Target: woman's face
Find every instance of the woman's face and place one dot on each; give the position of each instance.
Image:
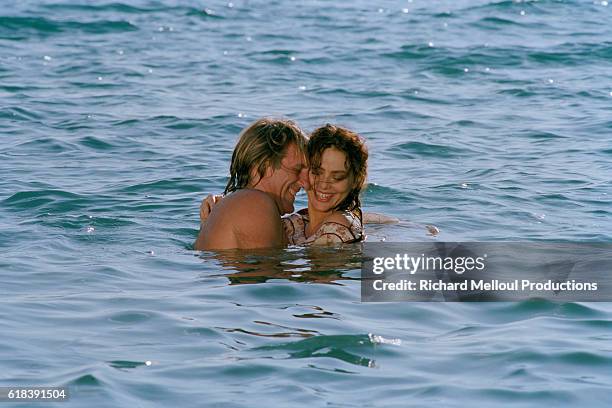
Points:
(330, 183)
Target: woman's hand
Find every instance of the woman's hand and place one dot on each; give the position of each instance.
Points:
(207, 206)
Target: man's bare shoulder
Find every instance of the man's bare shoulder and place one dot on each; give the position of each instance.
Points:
(244, 208)
(248, 199)
(243, 219)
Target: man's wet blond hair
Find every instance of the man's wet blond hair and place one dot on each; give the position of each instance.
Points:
(262, 144)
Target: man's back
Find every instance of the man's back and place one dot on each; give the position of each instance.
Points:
(247, 218)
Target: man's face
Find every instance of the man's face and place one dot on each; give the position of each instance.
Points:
(284, 182)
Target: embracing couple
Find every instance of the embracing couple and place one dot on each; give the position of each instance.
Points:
(272, 161)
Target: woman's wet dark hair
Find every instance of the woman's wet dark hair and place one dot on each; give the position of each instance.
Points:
(356, 163)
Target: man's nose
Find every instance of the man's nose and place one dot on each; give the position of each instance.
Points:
(303, 180)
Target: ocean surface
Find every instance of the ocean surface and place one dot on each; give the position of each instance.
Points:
(491, 120)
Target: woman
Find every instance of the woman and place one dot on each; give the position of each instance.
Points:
(337, 171)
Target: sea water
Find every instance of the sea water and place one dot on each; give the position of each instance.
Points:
(489, 119)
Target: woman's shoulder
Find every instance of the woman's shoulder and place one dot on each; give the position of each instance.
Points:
(339, 227)
(339, 217)
(298, 216)
(295, 226)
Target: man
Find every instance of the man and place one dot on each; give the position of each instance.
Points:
(268, 169)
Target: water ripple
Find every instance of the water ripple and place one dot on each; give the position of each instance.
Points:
(15, 27)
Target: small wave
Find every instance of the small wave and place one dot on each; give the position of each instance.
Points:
(86, 379)
(72, 125)
(584, 358)
(392, 112)
(110, 7)
(423, 149)
(37, 24)
(578, 310)
(542, 135)
(276, 56)
(95, 143)
(493, 6)
(519, 92)
(348, 93)
(28, 195)
(204, 13)
(278, 60)
(564, 55)
(466, 123)
(379, 189)
(44, 145)
(506, 6)
(530, 306)
(556, 197)
(495, 22)
(129, 317)
(536, 307)
(376, 339)
(571, 54)
(323, 341)
(413, 52)
(13, 26)
(57, 201)
(346, 348)
(18, 88)
(287, 332)
(202, 331)
(177, 123)
(503, 395)
(20, 113)
(447, 70)
(124, 365)
(317, 61)
(100, 27)
(67, 221)
(378, 194)
(276, 52)
(595, 323)
(174, 185)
